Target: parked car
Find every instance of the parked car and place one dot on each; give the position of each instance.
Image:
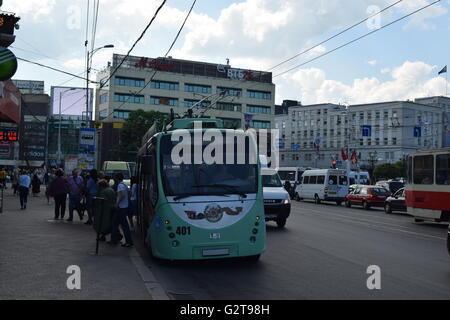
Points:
(367, 197)
(392, 185)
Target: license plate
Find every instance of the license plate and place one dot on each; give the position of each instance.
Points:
(216, 252)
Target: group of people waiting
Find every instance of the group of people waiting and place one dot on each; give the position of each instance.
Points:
(108, 207)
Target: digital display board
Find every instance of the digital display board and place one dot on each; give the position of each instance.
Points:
(9, 135)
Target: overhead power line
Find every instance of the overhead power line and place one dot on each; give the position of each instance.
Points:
(135, 43)
(359, 38)
(54, 69)
(336, 35)
(167, 53)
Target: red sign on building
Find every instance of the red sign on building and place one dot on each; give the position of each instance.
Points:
(154, 64)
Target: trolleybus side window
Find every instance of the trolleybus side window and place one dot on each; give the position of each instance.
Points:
(443, 169)
(423, 169)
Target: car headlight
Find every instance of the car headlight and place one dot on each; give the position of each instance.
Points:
(287, 201)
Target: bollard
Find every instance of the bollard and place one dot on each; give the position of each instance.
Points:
(101, 221)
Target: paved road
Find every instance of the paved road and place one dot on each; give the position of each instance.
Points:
(324, 253)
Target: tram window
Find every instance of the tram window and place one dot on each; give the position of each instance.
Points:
(443, 169)
(423, 170)
(409, 170)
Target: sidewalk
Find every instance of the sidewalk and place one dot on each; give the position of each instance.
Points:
(36, 251)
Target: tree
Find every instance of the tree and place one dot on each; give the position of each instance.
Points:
(136, 126)
(390, 171)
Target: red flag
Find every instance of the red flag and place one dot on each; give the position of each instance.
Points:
(344, 155)
(354, 157)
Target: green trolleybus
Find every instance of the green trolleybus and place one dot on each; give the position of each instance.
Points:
(208, 209)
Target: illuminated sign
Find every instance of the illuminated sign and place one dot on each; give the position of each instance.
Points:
(235, 73)
(8, 135)
(154, 64)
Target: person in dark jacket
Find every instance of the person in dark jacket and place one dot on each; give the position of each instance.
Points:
(104, 209)
(59, 189)
(36, 185)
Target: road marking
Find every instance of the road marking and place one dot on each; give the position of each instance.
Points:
(375, 224)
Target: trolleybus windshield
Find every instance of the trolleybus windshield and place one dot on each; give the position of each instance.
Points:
(203, 179)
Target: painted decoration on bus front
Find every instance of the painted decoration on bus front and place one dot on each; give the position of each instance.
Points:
(213, 215)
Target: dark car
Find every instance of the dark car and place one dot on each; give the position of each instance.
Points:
(392, 185)
(396, 202)
(367, 197)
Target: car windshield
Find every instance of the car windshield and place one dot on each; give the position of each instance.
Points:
(272, 181)
(202, 179)
(394, 186)
(287, 175)
(111, 173)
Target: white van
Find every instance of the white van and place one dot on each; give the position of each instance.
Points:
(277, 203)
(324, 185)
(361, 177)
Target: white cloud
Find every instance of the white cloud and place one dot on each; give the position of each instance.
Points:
(408, 81)
(372, 62)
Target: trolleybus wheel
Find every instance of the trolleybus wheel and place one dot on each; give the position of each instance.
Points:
(418, 220)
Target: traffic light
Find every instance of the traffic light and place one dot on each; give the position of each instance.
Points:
(334, 163)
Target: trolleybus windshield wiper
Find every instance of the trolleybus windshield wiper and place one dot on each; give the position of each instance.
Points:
(224, 186)
(187, 195)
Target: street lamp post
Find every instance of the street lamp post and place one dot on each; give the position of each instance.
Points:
(89, 56)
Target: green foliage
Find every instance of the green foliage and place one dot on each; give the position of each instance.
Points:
(390, 171)
(136, 126)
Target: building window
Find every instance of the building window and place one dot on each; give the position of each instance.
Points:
(259, 95)
(164, 101)
(259, 109)
(229, 106)
(104, 98)
(230, 91)
(103, 114)
(123, 97)
(386, 115)
(121, 114)
(394, 141)
(385, 141)
(190, 103)
(164, 85)
(261, 124)
(129, 82)
(197, 88)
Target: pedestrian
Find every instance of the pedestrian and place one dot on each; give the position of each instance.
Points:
(133, 202)
(120, 217)
(91, 192)
(36, 184)
(24, 188)
(104, 209)
(3, 178)
(76, 189)
(15, 181)
(51, 177)
(59, 189)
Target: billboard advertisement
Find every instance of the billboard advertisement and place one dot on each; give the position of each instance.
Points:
(71, 101)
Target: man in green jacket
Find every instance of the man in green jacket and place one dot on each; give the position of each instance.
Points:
(104, 209)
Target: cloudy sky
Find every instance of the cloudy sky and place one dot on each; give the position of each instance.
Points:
(398, 62)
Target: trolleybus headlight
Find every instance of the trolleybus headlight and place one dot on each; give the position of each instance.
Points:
(257, 224)
(172, 235)
(258, 218)
(167, 222)
(255, 231)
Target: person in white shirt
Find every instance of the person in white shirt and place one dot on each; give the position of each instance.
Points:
(24, 188)
(120, 218)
